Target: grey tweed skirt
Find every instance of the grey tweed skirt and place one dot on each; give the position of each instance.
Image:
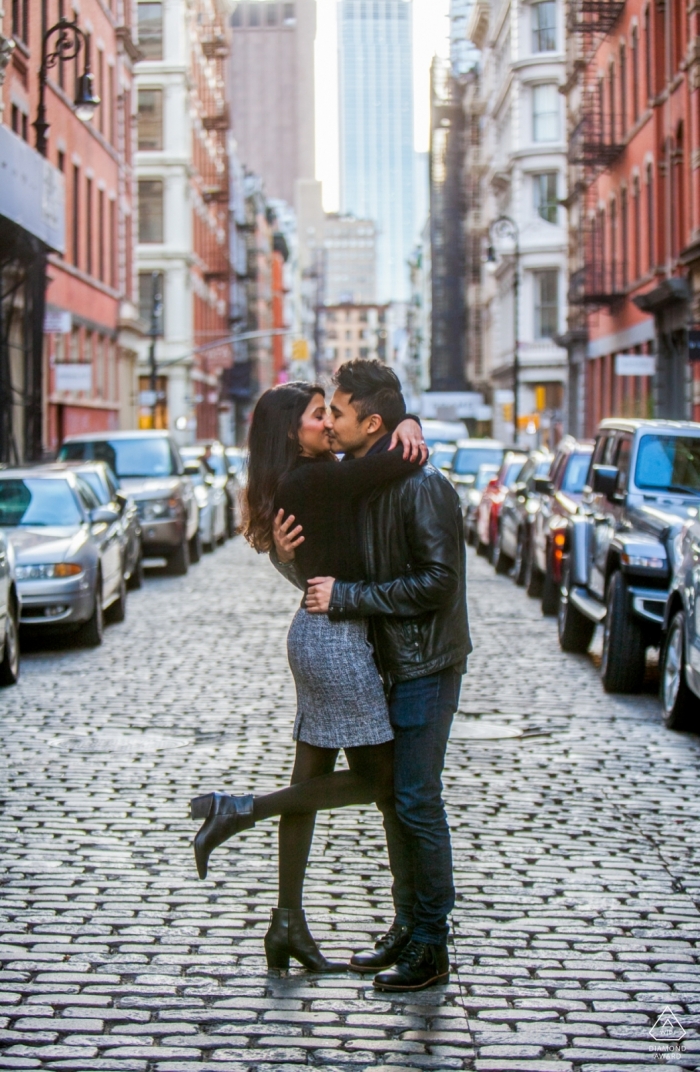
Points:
(340, 696)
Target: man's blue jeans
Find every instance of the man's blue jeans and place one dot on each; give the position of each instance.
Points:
(417, 834)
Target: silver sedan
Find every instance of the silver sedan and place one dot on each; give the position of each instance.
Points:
(68, 551)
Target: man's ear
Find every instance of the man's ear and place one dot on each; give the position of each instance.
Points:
(374, 423)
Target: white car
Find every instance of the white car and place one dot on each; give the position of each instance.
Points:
(10, 608)
(211, 500)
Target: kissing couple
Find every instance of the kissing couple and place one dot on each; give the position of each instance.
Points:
(377, 650)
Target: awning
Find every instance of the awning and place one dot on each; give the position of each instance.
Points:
(32, 191)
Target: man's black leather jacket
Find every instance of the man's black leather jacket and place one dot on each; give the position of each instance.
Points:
(416, 597)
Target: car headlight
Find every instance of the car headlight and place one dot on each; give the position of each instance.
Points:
(158, 509)
(48, 571)
(643, 561)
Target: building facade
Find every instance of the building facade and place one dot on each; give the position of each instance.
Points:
(270, 77)
(523, 161)
(77, 369)
(377, 159)
(183, 213)
(351, 260)
(635, 210)
(352, 331)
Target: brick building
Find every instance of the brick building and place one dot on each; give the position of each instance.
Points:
(634, 209)
(84, 375)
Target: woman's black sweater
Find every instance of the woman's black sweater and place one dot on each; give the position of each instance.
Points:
(325, 498)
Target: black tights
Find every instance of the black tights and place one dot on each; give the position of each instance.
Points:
(317, 786)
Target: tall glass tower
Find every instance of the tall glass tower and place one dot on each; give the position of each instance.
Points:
(376, 130)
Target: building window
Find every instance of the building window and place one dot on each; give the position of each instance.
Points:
(635, 74)
(289, 14)
(76, 216)
(237, 16)
(544, 26)
(648, 55)
(625, 236)
(650, 215)
(637, 229)
(113, 241)
(545, 112)
(150, 210)
(20, 20)
(101, 235)
(150, 119)
(613, 102)
(271, 14)
(253, 15)
(20, 123)
(546, 303)
(150, 16)
(146, 297)
(613, 247)
(545, 186)
(623, 88)
(101, 90)
(88, 225)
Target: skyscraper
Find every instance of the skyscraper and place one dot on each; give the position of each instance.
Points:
(376, 131)
(463, 53)
(270, 80)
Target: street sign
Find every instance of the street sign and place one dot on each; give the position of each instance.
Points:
(300, 350)
(635, 365)
(58, 322)
(73, 376)
(694, 344)
(147, 399)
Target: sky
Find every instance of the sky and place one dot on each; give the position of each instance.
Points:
(430, 36)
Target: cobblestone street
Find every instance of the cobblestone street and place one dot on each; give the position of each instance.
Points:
(576, 827)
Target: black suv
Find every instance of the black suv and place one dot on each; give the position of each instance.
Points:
(642, 487)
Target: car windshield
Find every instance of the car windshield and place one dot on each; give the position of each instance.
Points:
(194, 472)
(669, 463)
(136, 457)
(215, 462)
(442, 456)
(513, 471)
(576, 473)
(543, 467)
(469, 459)
(34, 501)
(486, 473)
(92, 478)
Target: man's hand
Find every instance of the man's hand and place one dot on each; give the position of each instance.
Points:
(318, 599)
(410, 435)
(286, 541)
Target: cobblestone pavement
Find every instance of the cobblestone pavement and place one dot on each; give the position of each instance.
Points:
(576, 843)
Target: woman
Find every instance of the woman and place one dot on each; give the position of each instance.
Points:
(340, 696)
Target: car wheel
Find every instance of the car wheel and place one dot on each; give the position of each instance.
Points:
(9, 667)
(91, 632)
(622, 664)
(196, 547)
(681, 708)
(179, 561)
(533, 577)
(136, 578)
(117, 610)
(521, 557)
(550, 592)
(575, 629)
(501, 561)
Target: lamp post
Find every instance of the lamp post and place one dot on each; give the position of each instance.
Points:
(70, 39)
(506, 227)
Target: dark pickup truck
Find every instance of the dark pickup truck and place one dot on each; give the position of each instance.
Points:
(643, 487)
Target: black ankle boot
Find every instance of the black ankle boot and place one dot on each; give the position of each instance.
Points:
(419, 966)
(226, 815)
(386, 952)
(289, 935)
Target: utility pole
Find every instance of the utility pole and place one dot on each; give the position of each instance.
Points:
(156, 315)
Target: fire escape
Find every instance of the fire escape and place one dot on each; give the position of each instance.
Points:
(595, 143)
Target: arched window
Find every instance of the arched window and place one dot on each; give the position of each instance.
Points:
(651, 222)
(635, 74)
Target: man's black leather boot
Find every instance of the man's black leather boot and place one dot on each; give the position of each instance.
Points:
(418, 966)
(386, 950)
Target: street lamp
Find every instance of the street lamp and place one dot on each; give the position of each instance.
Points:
(505, 227)
(70, 40)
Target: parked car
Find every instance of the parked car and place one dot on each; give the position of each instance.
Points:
(104, 484)
(442, 455)
(211, 501)
(237, 459)
(10, 609)
(560, 495)
(68, 551)
(148, 466)
(471, 498)
(470, 455)
(443, 431)
(624, 542)
(680, 653)
(493, 495)
(215, 458)
(517, 512)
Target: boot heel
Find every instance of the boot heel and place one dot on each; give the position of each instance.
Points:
(201, 806)
(277, 958)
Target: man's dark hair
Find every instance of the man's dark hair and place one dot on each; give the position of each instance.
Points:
(373, 388)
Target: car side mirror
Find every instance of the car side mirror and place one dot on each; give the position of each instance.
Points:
(543, 485)
(604, 481)
(103, 515)
(122, 499)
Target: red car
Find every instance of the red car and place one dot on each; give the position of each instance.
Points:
(489, 508)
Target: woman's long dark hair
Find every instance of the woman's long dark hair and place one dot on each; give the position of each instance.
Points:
(273, 443)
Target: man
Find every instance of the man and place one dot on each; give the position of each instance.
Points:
(416, 602)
